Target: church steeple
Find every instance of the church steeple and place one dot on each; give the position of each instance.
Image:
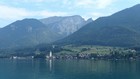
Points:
(50, 54)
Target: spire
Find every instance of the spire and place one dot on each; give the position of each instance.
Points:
(50, 53)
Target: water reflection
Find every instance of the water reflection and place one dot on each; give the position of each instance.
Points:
(50, 67)
(84, 69)
(69, 69)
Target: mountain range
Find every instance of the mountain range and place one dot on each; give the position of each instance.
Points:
(65, 26)
(31, 32)
(119, 29)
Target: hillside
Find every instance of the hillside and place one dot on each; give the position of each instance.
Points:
(64, 26)
(26, 32)
(31, 32)
(119, 29)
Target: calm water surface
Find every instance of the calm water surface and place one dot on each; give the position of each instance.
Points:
(69, 69)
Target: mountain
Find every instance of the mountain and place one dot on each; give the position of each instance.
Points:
(26, 32)
(64, 26)
(31, 32)
(119, 29)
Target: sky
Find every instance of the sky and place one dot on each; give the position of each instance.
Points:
(12, 10)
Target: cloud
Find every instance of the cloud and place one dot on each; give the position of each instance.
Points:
(8, 12)
(97, 4)
(84, 3)
(13, 13)
(20, 9)
(93, 15)
(27, 1)
(96, 15)
(49, 13)
(104, 3)
(66, 2)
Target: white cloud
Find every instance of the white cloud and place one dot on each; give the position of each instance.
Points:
(84, 2)
(66, 2)
(96, 15)
(97, 4)
(12, 13)
(103, 3)
(93, 15)
(46, 13)
(8, 12)
(85, 8)
(30, 1)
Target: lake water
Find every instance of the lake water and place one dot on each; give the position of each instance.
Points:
(69, 69)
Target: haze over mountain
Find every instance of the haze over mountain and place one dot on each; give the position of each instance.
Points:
(31, 32)
(119, 29)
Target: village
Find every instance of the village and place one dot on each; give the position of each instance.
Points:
(50, 55)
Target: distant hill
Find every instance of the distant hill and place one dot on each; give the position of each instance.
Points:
(31, 32)
(119, 29)
(27, 32)
(65, 26)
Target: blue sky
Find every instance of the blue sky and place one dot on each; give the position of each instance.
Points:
(12, 10)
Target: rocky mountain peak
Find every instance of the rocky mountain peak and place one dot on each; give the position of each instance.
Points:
(64, 25)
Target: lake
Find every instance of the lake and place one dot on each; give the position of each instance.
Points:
(69, 69)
